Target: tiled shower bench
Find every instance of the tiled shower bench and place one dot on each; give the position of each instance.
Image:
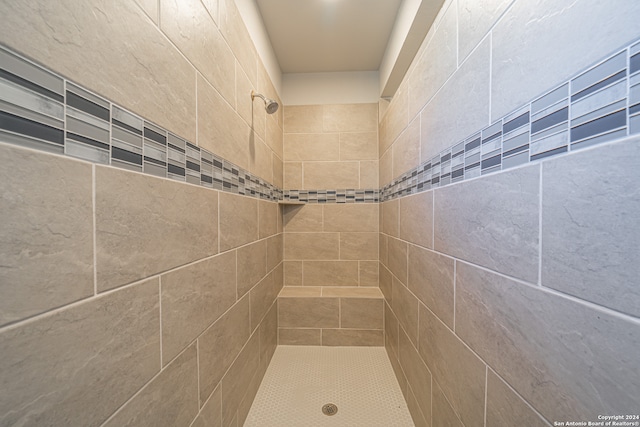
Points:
(330, 316)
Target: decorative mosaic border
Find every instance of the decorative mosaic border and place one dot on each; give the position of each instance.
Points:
(598, 105)
(39, 109)
(332, 196)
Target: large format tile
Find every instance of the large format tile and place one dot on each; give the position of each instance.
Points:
(252, 265)
(505, 408)
(459, 372)
(492, 221)
(269, 335)
(189, 26)
(590, 233)
(350, 117)
(211, 413)
(294, 336)
(448, 118)
(148, 228)
(220, 344)
(170, 399)
(307, 217)
(361, 313)
(268, 213)
(431, 280)
(193, 298)
(359, 146)
(390, 217)
(303, 118)
(331, 175)
(406, 307)
(588, 30)
(362, 246)
(351, 217)
(406, 149)
(418, 375)
(238, 220)
(46, 233)
(566, 359)
(238, 378)
(153, 78)
(235, 32)
(475, 19)
(416, 219)
(443, 413)
(308, 312)
(307, 246)
(78, 365)
(353, 337)
(398, 259)
(262, 297)
(311, 146)
(330, 273)
(437, 61)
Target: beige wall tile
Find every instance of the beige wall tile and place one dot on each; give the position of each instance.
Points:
(292, 175)
(430, 278)
(220, 344)
(406, 149)
(397, 117)
(351, 217)
(211, 412)
(360, 246)
(150, 7)
(390, 217)
(398, 259)
(154, 226)
(416, 219)
(369, 174)
(383, 248)
(414, 409)
(306, 217)
(386, 283)
(249, 396)
(386, 167)
(458, 371)
(170, 399)
(308, 313)
(268, 218)
(397, 369)
(369, 273)
(307, 246)
(213, 8)
(46, 233)
(405, 307)
(351, 292)
(159, 83)
(326, 175)
(361, 313)
(391, 330)
(260, 158)
(275, 245)
(278, 170)
(330, 273)
(108, 343)
(251, 111)
(238, 378)
(194, 297)
(293, 336)
(311, 146)
(353, 337)
(506, 408)
(300, 291)
(359, 146)
(269, 335)
(274, 135)
(252, 265)
(418, 376)
(303, 118)
(350, 117)
(238, 220)
(190, 27)
(235, 32)
(443, 413)
(220, 129)
(292, 273)
(262, 298)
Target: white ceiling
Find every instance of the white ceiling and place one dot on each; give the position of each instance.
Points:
(313, 36)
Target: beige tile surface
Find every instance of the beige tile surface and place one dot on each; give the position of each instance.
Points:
(359, 145)
(418, 376)
(292, 273)
(311, 146)
(443, 414)
(303, 118)
(320, 175)
(296, 336)
(275, 247)
(292, 175)
(416, 219)
(46, 232)
(406, 149)
(359, 246)
(351, 217)
(193, 297)
(252, 265)
(260, 158)
(505, 407)
(211, 411)
(306, 217)
(352, 337)
(398, 259)
(350, 292)
(405, 306)
(268, 218)
(350, 117)
(147, 229)
(369, 275)
(238, 378)
(390, 217)
(171, 398)
(262, 297)
(311, 246)
(361, 313)
(108, 343)
(236, 34)
(308, 312)
(369, 174)
(274, 136)
(238, 220)
(301, 291)
(330, 273)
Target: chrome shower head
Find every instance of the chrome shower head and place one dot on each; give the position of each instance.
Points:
(269, 104)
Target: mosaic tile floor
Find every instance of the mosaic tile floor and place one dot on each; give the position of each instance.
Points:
(301, 379)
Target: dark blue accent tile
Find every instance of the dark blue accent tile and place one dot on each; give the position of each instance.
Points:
(446, 157)
(87, 106)
(87, 141)
(30, 85)
(550, 120)
(600, 125)
(457, 173)
(514, 124)
(549, 153)
(618, 76)
(193, 166)
(122, 125)
(30, 128)
(127, 156)
(173, 147)
(206, 178)
(475, 165)
(155, 136)
(471, 145)
(207, 161)
(491, 162)
(634, 109)
(492, 137)
(154, 161)
(176, 170)
(634, 63)
(515, 151)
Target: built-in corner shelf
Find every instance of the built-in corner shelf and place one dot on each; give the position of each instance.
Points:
(290, 202)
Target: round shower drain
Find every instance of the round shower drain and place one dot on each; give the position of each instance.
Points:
(329, 409)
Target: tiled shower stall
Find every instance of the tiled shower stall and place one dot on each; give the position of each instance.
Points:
(482, 225)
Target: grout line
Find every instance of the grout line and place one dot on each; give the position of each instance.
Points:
(491, 78)
(455, 278)
(200, 403)
(540, 227)
(486, 382)
(95, 245)
(160, 316)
